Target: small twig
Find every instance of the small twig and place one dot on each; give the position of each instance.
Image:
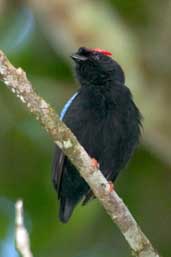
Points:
(21, 234)
(17, 82)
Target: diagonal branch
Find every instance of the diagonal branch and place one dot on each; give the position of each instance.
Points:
(17, 82)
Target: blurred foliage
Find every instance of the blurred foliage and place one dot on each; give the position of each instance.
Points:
(134, 12)
(26, 156)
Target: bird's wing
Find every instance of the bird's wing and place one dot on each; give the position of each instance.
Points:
(58, 163)
(67, 105)
(59, 157)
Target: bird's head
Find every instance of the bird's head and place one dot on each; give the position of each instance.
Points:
(95, 66)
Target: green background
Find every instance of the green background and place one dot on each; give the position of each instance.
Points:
(26, 151)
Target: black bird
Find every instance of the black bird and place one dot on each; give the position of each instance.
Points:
(104, 119)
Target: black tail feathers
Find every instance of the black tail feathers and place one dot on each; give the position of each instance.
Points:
(66, 209)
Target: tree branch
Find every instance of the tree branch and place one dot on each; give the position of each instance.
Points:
(17, 82)
(21, 234)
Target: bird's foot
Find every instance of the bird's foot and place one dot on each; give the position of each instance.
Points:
(111, 186)
(94, 163)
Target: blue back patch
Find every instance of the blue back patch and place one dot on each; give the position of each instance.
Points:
(67, 105)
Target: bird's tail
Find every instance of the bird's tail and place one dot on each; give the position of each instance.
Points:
(66, 209)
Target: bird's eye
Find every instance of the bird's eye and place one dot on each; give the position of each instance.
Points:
(96, 57)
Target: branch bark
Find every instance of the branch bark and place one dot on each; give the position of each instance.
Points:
(21, 234)
(17, 82)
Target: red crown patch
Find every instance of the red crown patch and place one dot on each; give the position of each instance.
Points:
(105, 52)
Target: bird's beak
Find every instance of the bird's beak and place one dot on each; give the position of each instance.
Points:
(77, 57)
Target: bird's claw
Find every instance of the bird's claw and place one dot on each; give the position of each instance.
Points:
(111, 186)
(95, 164)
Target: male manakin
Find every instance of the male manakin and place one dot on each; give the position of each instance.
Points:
(105, 120)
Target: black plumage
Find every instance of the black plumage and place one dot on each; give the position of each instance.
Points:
(104, 119)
